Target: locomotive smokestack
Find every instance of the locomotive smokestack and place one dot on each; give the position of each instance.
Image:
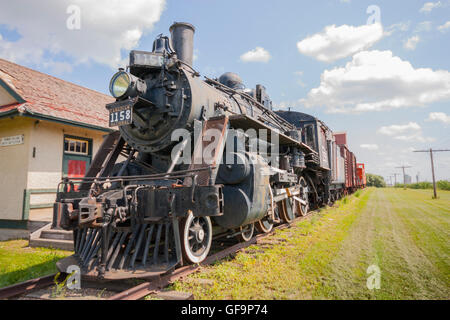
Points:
(182, 36)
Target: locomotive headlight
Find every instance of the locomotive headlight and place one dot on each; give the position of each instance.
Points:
(120, 83)
(124, 84)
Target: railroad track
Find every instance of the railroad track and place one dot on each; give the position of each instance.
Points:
(152, 286)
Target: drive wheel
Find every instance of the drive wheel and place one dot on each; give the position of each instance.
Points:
(265, 225)
(246, 232)
(304, 208)
(287, 211)
(331, 200)
(196, 238)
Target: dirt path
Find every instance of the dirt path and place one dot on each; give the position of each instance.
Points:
(386, 235)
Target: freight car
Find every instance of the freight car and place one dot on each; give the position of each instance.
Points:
(361, 175)
(192, 157)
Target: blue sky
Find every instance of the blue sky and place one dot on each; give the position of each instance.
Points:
(382, 135)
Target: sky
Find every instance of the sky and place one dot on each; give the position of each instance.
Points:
(378, 70)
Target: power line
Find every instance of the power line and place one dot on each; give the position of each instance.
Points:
(432, 165)
(404, 175)
(395, 177)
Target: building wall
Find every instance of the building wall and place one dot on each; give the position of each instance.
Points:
(45, 168)
(35, 164)
(13, 167)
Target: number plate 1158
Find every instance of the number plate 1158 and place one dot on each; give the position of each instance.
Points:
(120, 116)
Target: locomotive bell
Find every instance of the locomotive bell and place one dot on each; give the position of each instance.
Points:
(162, 45)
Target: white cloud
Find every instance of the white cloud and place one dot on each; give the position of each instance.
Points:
(258, 54)
(401, 26)
(299, 75)
(371, 147)
(339, 42)
(427, 7)
(444, 27)
(378, 81)
(107, 27)
(411, 43)
(424, 26)
(196, 54)
(415, 137)
(58, 67)
(411, 132)
(399, 129)
(439, 116)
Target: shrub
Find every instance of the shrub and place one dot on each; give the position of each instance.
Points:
(374, 180)
(421, 185)
(443, 185)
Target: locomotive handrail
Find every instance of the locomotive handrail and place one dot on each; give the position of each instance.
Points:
(176, 174)
(273, 115)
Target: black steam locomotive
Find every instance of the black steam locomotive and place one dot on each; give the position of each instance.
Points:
(192, 158)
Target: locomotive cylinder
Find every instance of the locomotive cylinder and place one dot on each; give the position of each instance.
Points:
(247, 201)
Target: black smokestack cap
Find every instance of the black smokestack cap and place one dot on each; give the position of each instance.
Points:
(182, 36)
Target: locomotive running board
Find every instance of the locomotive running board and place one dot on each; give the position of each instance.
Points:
(244, 122)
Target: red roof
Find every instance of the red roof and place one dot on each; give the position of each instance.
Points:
(49, 96)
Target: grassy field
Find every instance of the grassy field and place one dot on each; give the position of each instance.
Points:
(402, 232)
(18, 262)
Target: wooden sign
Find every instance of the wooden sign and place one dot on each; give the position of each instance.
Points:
(10, 141)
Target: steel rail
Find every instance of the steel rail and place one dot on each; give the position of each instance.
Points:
(155, 284)
(26, 286)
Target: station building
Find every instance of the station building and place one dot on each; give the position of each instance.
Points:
(49, 128)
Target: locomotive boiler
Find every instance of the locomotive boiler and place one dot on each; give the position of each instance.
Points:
(191, 158)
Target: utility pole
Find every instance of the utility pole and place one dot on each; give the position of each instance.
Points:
(432, 165)
(395, 177)
(404, 176)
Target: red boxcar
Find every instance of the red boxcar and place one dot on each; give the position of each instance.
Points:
(351, 179)
(361, 174)
(349, 171)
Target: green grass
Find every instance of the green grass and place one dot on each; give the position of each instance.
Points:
(289, 266)
(403, 232)
(18, 262)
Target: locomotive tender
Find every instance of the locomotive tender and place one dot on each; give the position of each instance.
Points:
(142, 209)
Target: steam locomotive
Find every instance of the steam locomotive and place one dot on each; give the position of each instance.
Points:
(192, 158)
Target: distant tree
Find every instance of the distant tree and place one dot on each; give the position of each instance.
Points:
(443, 185)
(374, 180)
